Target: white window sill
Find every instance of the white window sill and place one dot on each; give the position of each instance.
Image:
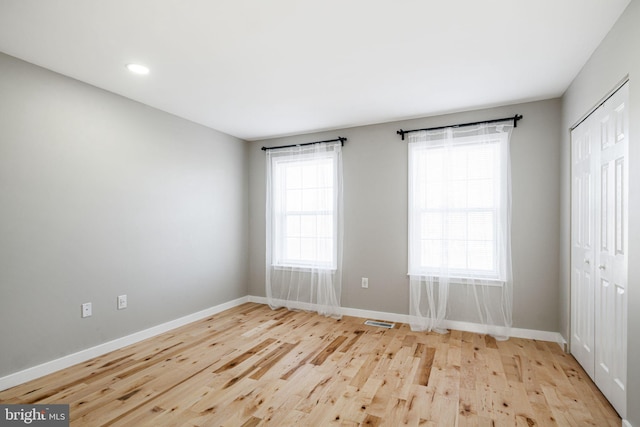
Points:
(303, 268)
(478, 281)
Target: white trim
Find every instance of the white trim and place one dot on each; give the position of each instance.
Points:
(564, 344)
(296, 305)
(626, 423)
(532, 334)
(345, 311)
(46, 368)
(375, 315)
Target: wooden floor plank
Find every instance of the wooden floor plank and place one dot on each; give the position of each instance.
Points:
(253, 366)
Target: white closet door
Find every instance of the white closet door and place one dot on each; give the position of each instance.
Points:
(582, 249)
(611, 251)
(599, 246)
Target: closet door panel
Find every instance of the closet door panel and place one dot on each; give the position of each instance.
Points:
(611, 257)
(582, 250)
(599, 246)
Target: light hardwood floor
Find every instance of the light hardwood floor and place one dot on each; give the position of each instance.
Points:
(251, 366)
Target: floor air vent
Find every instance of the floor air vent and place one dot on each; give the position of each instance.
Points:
(380, 324)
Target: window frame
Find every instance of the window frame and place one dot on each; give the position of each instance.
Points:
(279, 216)
(497, 275)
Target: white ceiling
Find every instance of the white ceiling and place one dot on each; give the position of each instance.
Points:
(264, 68)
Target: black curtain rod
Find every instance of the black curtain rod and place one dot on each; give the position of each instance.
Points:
(341, 139)
(514, 118)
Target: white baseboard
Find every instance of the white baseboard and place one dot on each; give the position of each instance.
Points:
(626, 423)
(531, 334)
(375, 315)
(449, 324)
(29, 374)
(347, 311)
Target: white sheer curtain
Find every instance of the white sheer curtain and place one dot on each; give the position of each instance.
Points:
(460, 228)
(304, 228)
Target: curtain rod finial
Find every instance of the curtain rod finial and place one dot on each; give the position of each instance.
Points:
(515, 120)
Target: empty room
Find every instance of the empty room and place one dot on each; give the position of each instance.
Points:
(284, 213)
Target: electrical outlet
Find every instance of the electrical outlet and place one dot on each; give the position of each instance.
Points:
(86, 309)
(122, 302)
(365, 282)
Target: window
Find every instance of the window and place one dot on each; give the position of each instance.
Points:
(458, 207)
(304, 227)
(304, 210)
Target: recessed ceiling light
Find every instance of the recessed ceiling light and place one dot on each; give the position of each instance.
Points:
(138, 69)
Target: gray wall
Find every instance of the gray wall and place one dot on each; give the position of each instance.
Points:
(102, 196)
(616, 57)
(375, 223)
